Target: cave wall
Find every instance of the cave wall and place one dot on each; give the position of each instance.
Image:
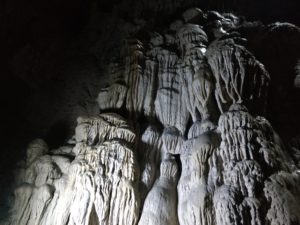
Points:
(53, 63)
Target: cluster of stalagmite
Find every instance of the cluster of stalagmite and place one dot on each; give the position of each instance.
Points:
(94, 182)
(192, 148)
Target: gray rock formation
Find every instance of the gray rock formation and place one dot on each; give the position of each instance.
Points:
(191, 148)
(100, 184)
(297, 78)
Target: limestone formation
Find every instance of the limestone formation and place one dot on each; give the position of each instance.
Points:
(160, 206)
(295, 150)
(99, 183)
(232, 78)
(195, 199)
(150, 159)
(112, 96)
(191, 148)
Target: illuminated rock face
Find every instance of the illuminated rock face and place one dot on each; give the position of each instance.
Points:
(191, 149)
(95, 182)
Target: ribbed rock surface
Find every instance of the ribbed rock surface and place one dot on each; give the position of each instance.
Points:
(96, 182)
(192, 147)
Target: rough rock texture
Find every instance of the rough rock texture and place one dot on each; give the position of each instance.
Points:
(191, 147)
(297, 78)
(96, 182)
(161, 202)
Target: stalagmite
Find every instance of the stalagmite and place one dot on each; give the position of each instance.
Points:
(195, 200)
(191, 148)
(150, 159)
(104, 174)
(160, 206)
(36, 186)
(172, 140)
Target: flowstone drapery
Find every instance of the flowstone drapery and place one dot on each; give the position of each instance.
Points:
(191, 146)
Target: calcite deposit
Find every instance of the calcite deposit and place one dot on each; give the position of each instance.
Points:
(180, 140)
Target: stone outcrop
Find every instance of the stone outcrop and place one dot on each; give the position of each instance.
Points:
(192, 146)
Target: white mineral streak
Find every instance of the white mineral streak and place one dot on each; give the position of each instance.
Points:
(160, 206)
(191, 93)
